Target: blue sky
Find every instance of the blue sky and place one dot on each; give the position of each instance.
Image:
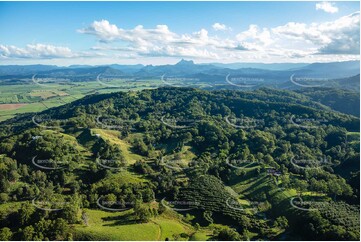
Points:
(67, 33)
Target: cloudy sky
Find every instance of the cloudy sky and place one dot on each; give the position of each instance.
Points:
(66, 33)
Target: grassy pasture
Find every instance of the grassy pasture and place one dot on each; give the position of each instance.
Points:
(104, 225)
(113, 137)
(42, 96)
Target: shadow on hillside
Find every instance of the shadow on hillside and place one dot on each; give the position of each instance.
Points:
(121, 220)
(255, 186)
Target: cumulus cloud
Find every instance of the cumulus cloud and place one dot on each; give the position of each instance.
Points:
(42, 51)
(327, 7)
(292, 40)
(341, 36)
(220, 27)
(159, 41)
(105, 31)
(338, 39)
(255, 38)
(35, 51)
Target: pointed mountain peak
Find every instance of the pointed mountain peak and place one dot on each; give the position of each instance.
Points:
(185, 62)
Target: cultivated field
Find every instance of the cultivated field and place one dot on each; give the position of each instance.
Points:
(36, 97)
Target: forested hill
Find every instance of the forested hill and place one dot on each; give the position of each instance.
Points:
(258, 165)
(344, 101)
(267, 104)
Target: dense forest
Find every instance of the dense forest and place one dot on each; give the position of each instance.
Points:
(257, 165)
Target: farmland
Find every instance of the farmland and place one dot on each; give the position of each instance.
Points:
(36, 97)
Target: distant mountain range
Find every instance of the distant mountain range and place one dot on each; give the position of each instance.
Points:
(213, 74)
(189, 67)
(271, 66)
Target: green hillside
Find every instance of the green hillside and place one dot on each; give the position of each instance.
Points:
(181, 164)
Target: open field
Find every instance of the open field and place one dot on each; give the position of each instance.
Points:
(105, 225)
(40, 96)
(113, 137)
(11, 106)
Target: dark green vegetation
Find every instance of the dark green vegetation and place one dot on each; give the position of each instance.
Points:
(34, 88)
(343, 101)
(182, 164)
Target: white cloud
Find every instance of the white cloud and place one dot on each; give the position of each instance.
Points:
(255, 38)
(42, 51)
(290, 41)
(336, 40)
(159, 41)
(35, 51)
(341, 36)
(327, 7)
(220, 27)
(105, 31)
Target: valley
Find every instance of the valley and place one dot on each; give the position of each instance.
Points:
(183, 164)
(180, 121)
(57, 86)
